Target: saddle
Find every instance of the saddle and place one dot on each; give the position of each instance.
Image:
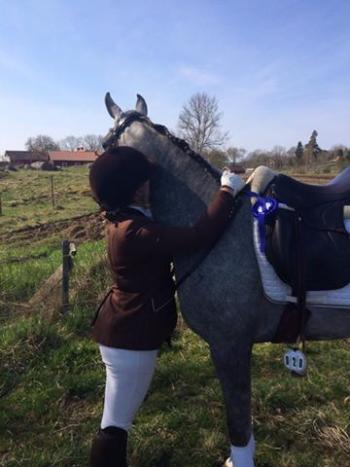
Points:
(306, 239)
(302, 247)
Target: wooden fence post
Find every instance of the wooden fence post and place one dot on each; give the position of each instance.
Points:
(68, 249)
(52, 192)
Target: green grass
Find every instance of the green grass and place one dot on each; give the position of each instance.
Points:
(26, 260)
(52, 385)
(19, 280)
(26, 197)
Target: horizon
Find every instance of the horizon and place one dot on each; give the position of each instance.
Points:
(278, 71)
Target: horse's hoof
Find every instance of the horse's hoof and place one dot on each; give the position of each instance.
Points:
(228, 463)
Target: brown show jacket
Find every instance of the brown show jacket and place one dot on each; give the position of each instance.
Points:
(140, 252)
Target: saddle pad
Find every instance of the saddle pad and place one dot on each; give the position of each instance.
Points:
(279, 292)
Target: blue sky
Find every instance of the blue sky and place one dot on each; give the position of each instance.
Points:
(279, 68)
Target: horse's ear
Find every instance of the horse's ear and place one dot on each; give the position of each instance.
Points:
(113, 109)
(141, 105)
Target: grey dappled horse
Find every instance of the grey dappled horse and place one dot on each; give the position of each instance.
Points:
(222, 300)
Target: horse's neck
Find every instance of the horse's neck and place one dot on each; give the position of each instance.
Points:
(183, 186)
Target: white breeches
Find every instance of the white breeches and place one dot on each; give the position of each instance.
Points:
(128, 377)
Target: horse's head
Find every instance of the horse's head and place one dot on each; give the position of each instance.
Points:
(156, 141)
(122, 119)
(180, 178)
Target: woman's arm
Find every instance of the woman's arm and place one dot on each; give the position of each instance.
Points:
(161, 239)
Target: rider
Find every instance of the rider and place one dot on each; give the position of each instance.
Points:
(139, 312)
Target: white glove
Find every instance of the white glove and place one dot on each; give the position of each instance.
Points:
(232, 180)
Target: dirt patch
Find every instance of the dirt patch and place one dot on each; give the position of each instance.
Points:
(80, 228)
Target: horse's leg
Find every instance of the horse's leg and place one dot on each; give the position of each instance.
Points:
(232, 364)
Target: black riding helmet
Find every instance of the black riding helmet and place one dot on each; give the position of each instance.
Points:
(116, 175)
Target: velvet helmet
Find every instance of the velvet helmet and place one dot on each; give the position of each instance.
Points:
(116, 175)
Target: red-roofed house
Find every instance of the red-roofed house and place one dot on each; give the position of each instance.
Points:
(67, 158)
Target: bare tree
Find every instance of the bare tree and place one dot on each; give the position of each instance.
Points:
(41, 143)
(92, 142)
(88, 142)
(235, 154)
(257, 157)
(217, 158)
(278, 157)
(199, 123)
(70, 143)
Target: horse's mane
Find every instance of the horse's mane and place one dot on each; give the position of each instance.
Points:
(163, 130)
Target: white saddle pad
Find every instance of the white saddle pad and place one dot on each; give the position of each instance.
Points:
(279, 292)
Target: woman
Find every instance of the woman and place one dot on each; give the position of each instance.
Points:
(139, 313)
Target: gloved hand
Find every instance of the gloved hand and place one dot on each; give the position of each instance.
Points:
(232, 180)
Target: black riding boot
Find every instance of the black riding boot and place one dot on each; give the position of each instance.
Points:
(109, 448)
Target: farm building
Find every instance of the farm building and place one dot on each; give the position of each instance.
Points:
(68, 158)
(21, 158)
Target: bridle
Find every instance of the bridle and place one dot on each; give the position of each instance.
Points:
(112, 138)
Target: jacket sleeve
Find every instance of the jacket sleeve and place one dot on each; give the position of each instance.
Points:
(160, 239)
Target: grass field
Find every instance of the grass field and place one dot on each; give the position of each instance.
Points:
(52, 380)
(32, 228)
(27, 200)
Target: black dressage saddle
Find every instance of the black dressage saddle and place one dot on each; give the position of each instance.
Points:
(307, 242)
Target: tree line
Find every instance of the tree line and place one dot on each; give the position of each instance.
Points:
(200, 124)
(44, 143)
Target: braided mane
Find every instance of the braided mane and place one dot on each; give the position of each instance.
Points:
(162, 130)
